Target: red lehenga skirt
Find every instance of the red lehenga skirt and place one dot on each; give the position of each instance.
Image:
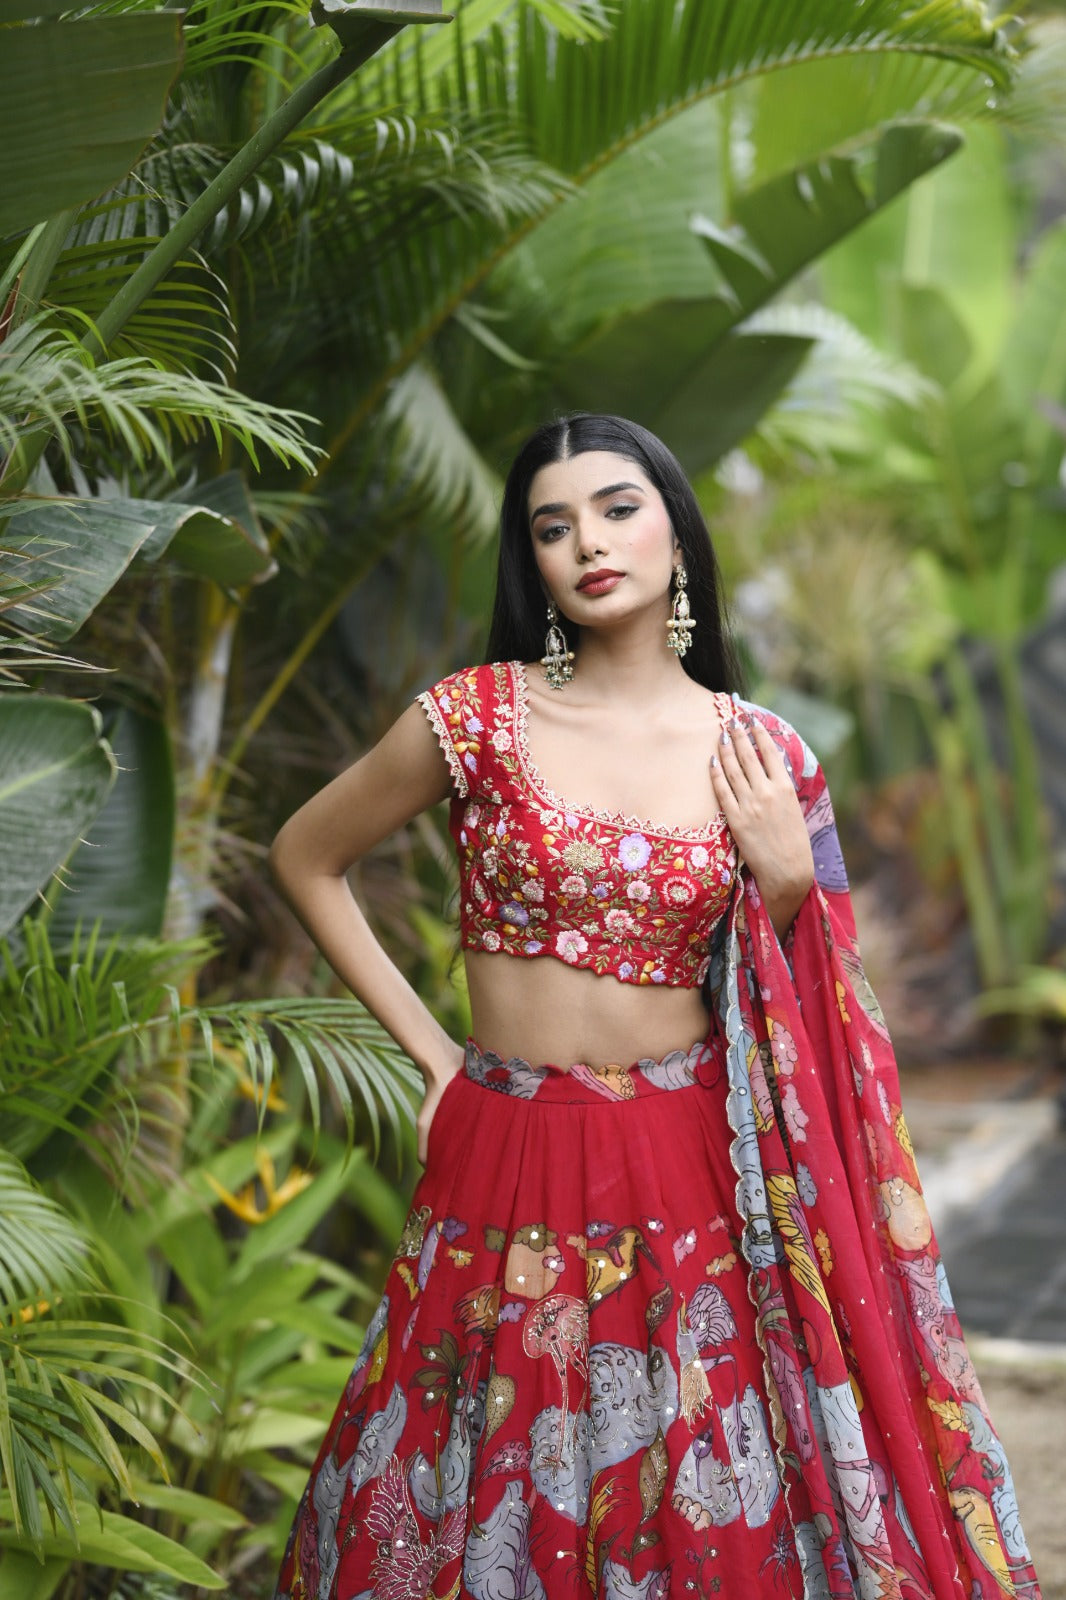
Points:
(566, 1390)
(562, 1390)
(674, 1329)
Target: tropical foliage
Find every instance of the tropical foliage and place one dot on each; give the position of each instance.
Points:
(943, 524)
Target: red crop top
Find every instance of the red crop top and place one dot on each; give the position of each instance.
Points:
(541, 876)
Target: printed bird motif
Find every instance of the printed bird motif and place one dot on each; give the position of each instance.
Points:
(978, 1523)
(559, 1327)
(612, 1262)
(405, 1568)
(795, 1234)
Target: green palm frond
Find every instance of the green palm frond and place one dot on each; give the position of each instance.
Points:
(579, 109)
(217, 32)
(437, 475)
(1036, 106)
(246, 36)
(20, 654)
(845, 378)
(42, 1253)
(48, 378)
(647, 63)
(793, 115)
(334, 1042)
(69, 1020)
(171, 175)
(185, 325)
(67, 1384)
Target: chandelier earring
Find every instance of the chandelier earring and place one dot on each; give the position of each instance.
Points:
(680, 623)
(557, 657)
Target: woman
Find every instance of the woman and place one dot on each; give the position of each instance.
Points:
(667, 1316)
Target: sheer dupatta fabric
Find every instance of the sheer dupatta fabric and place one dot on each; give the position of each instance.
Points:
(896, 1483)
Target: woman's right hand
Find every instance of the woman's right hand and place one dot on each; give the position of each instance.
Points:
(437, 1080)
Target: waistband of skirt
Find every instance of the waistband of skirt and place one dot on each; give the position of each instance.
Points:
(688, 1068)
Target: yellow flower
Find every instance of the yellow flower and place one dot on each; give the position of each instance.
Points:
(28, 1313)
(276, 1196)
(235, 1060)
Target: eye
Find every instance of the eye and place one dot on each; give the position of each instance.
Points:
(553, 531)
(621, 509)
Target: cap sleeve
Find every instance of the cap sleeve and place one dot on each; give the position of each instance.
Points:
(456, 711)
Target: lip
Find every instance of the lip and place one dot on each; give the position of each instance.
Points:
(600, 582)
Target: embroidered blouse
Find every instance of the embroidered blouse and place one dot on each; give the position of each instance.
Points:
(540, 875)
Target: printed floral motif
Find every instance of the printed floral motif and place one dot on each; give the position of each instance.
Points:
(529, 861)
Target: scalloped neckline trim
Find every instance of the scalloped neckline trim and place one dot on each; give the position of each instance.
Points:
(555, 802)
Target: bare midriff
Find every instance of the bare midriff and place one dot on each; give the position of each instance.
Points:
(546, 1011)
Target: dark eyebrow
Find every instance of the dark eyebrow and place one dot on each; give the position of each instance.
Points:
(554, 507)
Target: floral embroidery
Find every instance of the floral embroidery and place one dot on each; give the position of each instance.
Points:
(639, 902)
(450, 707)
(680, 891)
(634, 852)
(581, 855)
(570, 945)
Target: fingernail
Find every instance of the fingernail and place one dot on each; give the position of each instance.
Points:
(725, 737)
(714, 761)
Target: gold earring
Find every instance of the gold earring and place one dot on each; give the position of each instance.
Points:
(680, 625)
(556, 658)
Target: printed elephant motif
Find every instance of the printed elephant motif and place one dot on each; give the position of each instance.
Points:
(632, 1393)
(714, 1490)
(454, 1474)
(560, 1467)
(498, 1564)
(378, 1440)
(618, 1584)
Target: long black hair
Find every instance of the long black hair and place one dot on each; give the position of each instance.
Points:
(518, 622)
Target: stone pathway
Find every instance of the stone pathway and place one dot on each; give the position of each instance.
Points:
(1006, 1257)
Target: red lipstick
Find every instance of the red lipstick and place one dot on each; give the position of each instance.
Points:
(602, 581)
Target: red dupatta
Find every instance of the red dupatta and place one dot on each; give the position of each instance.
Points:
(874, 1395)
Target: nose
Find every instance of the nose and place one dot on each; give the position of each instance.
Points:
(589, 541)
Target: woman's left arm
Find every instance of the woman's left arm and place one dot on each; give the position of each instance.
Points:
(755, 790)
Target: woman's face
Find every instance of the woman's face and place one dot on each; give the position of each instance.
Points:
(597, 514)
